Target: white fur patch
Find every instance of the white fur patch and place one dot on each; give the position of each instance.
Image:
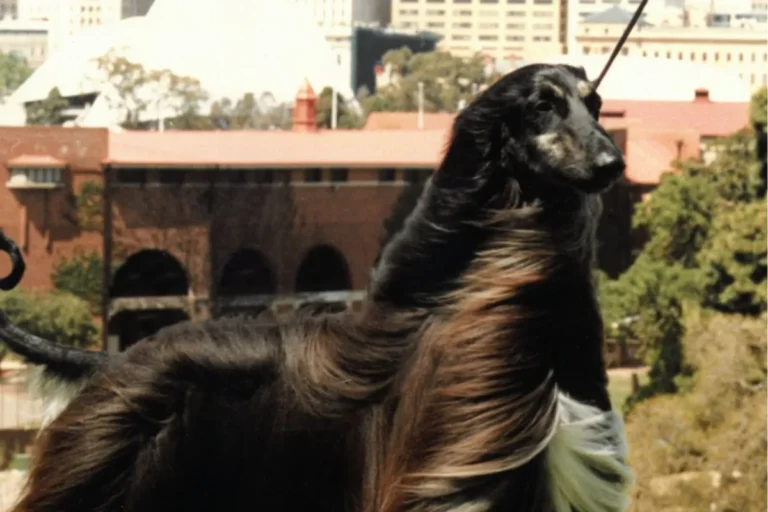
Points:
(588, 439)
(585, 88)
(54, 393)
(549, 144)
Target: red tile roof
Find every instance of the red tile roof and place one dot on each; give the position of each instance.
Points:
(328, 148)
(408, 121)
(28, 160)
(707, 118)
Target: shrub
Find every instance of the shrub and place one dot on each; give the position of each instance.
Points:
(716, 422)
(58, 316)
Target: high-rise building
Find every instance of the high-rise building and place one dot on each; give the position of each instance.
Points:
(345, 13)
(740, 49)
(68, 17)
(506, 30)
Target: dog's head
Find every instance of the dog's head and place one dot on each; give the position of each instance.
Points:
(543, 118)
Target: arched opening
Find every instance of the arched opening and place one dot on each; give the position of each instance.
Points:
(323, 269)
(150, 272)
(246, 273)
(133, 326)
(147, 273)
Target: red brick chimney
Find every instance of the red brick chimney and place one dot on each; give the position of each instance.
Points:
(305, 109)
(701, 96)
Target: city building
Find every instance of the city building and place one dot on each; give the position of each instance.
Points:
(26, 38)
(284, 44)
(657, 12)
(505, 30)
(742, 50)
(346, 13)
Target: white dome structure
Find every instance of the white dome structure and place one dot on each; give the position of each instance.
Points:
(241, 46)
(652, 79)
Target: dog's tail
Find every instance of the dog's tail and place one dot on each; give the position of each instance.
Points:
(68, 366)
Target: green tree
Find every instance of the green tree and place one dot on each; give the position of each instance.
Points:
(706, 246)
(14, 71)
(82, 276)
(141, 91)
(347, 118)
(447, 80)
(248, 114)
(48, 112)
(55, 316)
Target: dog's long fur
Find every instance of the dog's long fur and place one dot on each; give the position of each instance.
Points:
(473, 380)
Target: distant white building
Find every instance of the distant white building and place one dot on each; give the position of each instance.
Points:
(345, 13)
(256, 46)
(69, 17)
(26, 38)
(648, 79)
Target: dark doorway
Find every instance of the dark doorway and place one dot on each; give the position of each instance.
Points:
(246, 273)
(323, 269)
(147, 273)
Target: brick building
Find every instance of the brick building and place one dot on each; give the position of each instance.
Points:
(199, 223)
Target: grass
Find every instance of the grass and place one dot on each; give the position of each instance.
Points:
(620, 383)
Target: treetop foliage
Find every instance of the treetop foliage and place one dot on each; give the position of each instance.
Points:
(706, 246)
(14, 71)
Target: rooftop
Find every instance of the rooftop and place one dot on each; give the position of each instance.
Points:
(614, 15)
(326, 148)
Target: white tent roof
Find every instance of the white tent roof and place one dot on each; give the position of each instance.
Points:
(651, 79)
(240, 46)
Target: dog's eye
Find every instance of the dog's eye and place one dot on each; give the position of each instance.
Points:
(544, 106)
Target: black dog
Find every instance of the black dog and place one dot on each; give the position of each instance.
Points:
(472, 381)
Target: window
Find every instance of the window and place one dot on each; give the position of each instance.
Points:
(171, 177)
(542, 2)
(489, 26)
(515, 38)
(462, 13)
(542, 39)
(585, 50)
(485, 37)
(339, 175)
(264, 176)
(515, 1)
(43, 175)
(313, 175)
(414, 176)
(460, 37)
(386, 175)
(435, 24)
(435, 12)
(462, 24)
(489, 1)
(131, 176)
(543, 26)
(515, 14)
(408, 12)
(542, 14)
(515, 26)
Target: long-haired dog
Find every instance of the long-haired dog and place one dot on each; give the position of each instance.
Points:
(473, 380)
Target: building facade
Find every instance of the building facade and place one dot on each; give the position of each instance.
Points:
(740, 49)
(26, 38)
(346, 13)
(506, 30)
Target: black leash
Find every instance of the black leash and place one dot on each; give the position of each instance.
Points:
(620, 44)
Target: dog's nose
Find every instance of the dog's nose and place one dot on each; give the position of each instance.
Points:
(610, 161)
